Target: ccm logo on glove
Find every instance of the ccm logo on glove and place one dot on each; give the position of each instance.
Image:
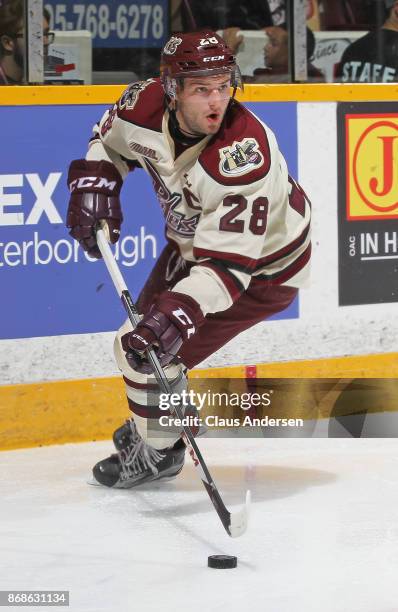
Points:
(183, 318)
(98, 182)
(140, 339)
(95, 188)
(172, 320)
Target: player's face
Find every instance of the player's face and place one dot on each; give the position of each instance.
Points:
(202, 102)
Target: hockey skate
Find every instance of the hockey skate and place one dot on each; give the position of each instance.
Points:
(123, 436)
(136, 462)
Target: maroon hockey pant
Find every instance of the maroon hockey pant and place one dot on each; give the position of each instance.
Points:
(260, 300)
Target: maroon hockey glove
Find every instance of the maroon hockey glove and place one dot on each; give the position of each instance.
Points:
(174, 318)
(95, 188)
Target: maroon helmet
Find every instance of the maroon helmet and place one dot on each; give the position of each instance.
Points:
(201, 53)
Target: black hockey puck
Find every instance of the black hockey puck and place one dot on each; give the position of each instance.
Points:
(222, 561)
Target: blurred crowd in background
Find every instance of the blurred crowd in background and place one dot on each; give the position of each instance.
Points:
(107, 41)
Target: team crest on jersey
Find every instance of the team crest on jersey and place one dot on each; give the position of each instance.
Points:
(171, 47)
(176, 221)
(129, 97)
(242, 157)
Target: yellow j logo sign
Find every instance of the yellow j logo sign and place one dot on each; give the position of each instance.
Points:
(372, 166)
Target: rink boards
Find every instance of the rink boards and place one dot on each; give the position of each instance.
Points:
(339, 141)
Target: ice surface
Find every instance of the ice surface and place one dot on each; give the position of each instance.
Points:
(322, 537)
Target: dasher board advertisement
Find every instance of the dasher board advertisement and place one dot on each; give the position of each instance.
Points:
(368, 202)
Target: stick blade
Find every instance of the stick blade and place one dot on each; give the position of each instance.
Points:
(239, 520)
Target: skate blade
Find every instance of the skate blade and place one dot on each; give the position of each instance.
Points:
(94, 483)
(91, 481)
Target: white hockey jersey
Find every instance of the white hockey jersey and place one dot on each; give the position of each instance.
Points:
(228, 201)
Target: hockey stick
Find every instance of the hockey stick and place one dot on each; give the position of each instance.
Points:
(234, 524)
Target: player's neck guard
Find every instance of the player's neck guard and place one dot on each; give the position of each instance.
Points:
(177, 134)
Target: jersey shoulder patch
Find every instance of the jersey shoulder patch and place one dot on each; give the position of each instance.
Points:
(142, 104)
(239, 154)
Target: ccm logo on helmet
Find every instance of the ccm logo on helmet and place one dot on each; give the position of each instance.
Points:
(92, 181)
(215, 58)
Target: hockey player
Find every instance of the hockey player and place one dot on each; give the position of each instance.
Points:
(237, 226)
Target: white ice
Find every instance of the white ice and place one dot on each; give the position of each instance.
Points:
(322, 537)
